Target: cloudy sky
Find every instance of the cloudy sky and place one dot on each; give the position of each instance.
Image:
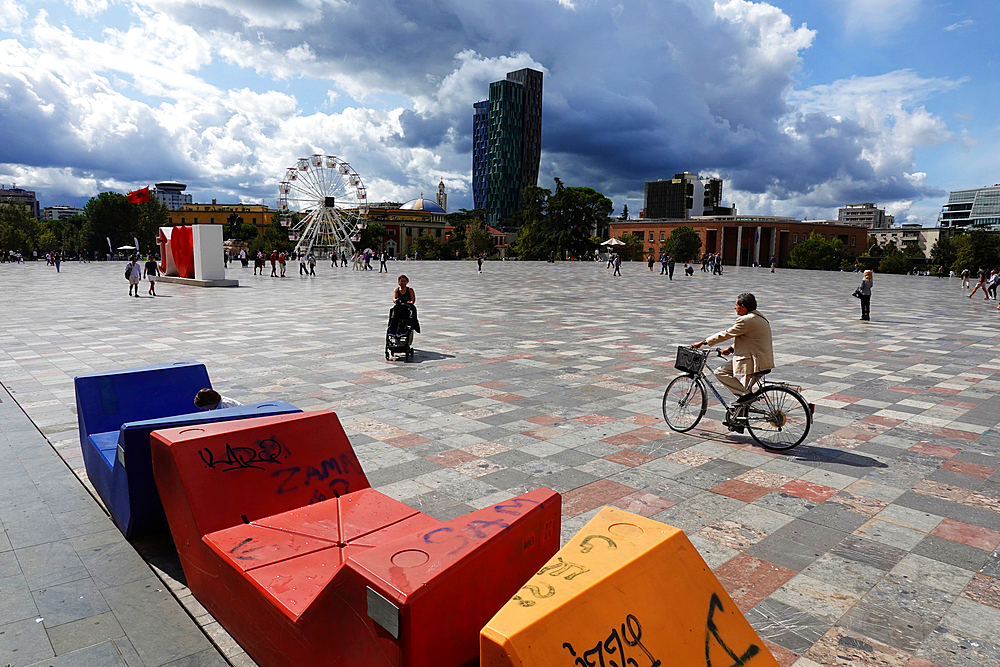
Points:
(801, 106)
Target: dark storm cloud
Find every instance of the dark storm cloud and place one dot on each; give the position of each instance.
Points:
(634, 90)
(422, 131)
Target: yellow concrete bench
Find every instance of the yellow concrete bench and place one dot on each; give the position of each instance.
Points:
(626, 591)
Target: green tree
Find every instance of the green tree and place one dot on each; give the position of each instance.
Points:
(633, 248)
(112, 217)
(18, 231)
(373, 236)
(426, 246)
(976, 250)
(894, 260)
(477, 239)
(248, 232)
(454, 245)
(532, 236)
(943, 252)
(684, 244)
(817, 253)
(573, 212)
(153, 214)
(275, 238)
(624, 215)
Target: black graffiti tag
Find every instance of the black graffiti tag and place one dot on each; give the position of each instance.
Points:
(239, 458)
(713, 631)
(611, 653)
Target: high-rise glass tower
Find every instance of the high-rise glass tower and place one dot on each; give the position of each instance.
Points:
(507, 143)
(480, 131)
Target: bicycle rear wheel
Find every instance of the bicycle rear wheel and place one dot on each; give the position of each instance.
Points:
(779, 418)
(684, 403)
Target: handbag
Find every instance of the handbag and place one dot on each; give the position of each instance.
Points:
(857, 293)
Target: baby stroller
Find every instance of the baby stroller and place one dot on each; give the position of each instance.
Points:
(399, 334)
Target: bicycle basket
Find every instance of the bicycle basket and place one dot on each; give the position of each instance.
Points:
(690, 360)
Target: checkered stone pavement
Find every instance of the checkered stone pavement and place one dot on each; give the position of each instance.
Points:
(873, 543)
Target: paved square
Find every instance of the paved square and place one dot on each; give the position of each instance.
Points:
(876, 539)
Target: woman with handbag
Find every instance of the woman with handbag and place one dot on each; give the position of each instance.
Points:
(864, 292)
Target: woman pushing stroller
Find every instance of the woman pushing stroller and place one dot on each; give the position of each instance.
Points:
(402, 320)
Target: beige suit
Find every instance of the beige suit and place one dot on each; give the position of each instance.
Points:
(752, 353)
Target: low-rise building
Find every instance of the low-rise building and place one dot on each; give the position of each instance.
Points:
(922, 237)
(218, 214)
(867, 214)
(172, 194)
(404, 223)
(744, 240)
(61, 212)
(20, 197)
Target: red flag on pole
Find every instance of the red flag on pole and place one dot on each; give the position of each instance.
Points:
(139, 196)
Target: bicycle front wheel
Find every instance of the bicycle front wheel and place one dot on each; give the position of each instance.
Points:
(684, 403)
(779, 418)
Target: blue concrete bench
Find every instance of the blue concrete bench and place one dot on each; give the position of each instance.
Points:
(118, 410)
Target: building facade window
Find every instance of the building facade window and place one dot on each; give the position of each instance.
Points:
(651, 238)
(663, 237)
(854, 240)
(795, 238)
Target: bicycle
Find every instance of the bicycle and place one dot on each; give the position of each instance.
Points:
(777, 417)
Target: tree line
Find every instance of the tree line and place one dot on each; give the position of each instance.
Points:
(107, 217)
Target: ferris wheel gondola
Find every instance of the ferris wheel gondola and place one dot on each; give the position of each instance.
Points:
(323, 202)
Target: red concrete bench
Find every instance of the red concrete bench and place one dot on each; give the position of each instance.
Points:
(285, 543)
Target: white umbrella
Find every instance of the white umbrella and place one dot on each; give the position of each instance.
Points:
(613, 241)
(126, 247)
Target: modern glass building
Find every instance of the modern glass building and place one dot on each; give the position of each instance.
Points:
(978, 208)
(507, 143)
(480, 132)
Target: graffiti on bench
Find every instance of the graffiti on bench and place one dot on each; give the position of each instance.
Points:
(613, 649)
(241, 458)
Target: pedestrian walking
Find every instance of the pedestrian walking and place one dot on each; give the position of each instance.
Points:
(991, 285)
(302, 264)
(663, 264)
(134, 274)
(479, 260)
(381, 262)
(312, 264)
(149, 272)
(281, 263)
(618, 265)
(343, 258)
(649, 261)
(671, 263)
(274, 263)
(866, 294)
(774, 263)
(981, 285)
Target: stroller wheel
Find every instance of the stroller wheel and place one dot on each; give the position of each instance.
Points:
(409, 353)
(387, 354)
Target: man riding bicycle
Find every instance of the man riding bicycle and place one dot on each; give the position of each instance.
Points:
(752, 343)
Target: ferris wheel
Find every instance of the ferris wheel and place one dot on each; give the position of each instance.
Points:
(331, 203)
